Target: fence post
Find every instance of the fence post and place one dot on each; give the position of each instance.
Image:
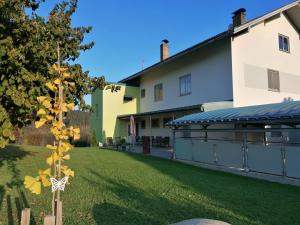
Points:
(25, 216)
(173, 142)
(283, 157)
(245, 150)
(49, 220)
(58, 215)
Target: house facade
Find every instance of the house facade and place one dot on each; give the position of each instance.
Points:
(254, 62)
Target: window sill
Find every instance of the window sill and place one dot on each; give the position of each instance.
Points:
(185, 94)
(273, 90)
(282, 50)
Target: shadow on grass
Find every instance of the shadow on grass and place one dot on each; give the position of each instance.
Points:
(8, 157)
(252, 201)
(136, 206)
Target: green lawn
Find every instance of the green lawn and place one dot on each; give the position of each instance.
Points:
(114, 188)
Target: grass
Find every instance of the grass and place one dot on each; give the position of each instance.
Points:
(114, 188)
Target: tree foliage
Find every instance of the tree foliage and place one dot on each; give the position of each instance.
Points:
(28, 52)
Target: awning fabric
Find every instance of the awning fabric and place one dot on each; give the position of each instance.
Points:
(279, 112)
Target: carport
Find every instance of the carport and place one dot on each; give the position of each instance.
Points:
(262, 139)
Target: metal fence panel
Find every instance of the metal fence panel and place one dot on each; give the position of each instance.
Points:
(230, 154)
(265, 158)
(183, 149)
(293, 161)
(203, 151)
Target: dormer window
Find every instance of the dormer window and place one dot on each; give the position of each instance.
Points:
(284, 43)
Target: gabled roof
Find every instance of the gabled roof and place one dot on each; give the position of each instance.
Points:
(290, 11)
(287, 9)
(269, 113)
(210, 40)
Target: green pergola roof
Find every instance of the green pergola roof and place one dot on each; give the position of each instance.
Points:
(279, 112)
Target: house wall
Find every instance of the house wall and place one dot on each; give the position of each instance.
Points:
(111, 105)
(210, 69)
(258, 50)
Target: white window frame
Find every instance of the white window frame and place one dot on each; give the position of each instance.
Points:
(282, 46)
(185, 85)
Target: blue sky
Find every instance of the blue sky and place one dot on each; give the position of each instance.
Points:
(128, 33)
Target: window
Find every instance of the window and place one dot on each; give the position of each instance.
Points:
(143, 93)
(127, 98)
(273, 80)
(158, 92)
(185, 85)
(155, 123)
(166, 120)
(143, 124)
(284, 43)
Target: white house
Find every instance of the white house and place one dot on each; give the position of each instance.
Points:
(253, 62)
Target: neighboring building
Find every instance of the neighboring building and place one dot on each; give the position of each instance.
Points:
(251, 63)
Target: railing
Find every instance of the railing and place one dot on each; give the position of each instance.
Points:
(222, 148)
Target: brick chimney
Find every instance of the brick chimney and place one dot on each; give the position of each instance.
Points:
(164, 50)
(239, 17)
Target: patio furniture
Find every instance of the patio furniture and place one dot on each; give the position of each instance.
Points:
(159, 141)
(166, 141)
(146, 144)
(109, 141)
(138, 140)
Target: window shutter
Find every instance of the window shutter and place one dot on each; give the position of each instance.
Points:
(273, 80)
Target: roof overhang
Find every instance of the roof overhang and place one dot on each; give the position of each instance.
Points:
(173, 110)
(278, 113)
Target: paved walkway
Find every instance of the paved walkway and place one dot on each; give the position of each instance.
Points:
(165, 153)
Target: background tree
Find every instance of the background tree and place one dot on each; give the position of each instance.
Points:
(27, 53)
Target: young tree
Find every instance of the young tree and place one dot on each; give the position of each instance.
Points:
(28, 44)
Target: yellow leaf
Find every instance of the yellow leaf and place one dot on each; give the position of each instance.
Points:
(57, 81)
(41, 112)
(51, 86)
(71, 106)
(44, 174)
(52, 159)
(49, 118)
(47, 104)
(64, 108)
(66, 75)
(68, 172)
(76, 134)
(45, 182)
(33, 184)
(66, 157)
(51, 147)
(62, 69)
(72, 84)
(40, 123)
(41, 99)
(65, 147)
(58, 124)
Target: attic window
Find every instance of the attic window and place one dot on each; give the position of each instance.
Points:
(284, 43)
(127, 98)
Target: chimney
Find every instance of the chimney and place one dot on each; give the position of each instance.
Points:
(164, 50)
(239, 17)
